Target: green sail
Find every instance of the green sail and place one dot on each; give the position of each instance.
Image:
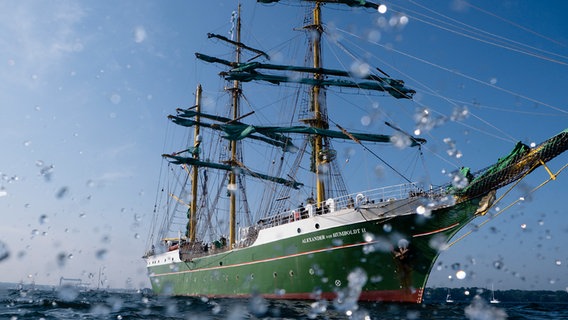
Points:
(238, 131)
(247, 72)
(194, 162)
(519, 162)
(280, 141)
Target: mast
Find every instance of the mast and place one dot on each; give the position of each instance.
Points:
(236, 90)
(196, 142)
(319, 121)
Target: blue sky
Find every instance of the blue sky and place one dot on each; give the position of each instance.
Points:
(85, 88)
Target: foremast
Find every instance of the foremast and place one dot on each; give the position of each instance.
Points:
(194, 173)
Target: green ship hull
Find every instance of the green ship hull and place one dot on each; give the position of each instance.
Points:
(382, 259)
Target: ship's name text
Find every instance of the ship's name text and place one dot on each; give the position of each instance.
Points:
(334, 235)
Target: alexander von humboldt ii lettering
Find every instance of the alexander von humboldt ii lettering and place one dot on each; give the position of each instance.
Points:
(293, 230)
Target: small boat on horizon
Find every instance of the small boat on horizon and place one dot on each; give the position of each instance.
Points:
(493, 299)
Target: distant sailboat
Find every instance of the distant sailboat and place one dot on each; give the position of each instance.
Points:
(449, 297)
(493, 300)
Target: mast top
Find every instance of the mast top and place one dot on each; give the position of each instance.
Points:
(351, 3)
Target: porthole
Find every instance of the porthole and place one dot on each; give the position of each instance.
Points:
(220, 263)
(291, 273)
(299, 230)
(317, 226)
(275, 275)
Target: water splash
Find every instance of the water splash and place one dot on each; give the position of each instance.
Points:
(424, 120)
(480, 310)
(347, 298)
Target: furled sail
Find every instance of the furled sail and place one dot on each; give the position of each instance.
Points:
(520, 161)
(175, 159)
(273, 134)
(248, 72)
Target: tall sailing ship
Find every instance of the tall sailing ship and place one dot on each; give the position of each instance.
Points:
(306, 238)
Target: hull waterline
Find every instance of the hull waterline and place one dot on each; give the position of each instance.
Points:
(382, 259)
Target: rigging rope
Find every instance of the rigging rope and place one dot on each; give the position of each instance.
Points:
(552, 177)
(372, 152)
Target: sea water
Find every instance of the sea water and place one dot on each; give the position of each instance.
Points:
(72, 303)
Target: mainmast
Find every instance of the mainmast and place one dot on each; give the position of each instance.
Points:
(318, 120)
(196, 143)
(236, 91)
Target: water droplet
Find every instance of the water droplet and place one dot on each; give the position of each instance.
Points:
(461, 274)
(101, 254)
(258, 305)
(558, 262)
(318, 307)
(139, 34)
(337, 242)
(498, 265)
(136, 236)
(115, 98)
(360, 69)
(400, 140)
(425, 121)
(523, 226)
(61, 259)
(438, 242)
(403, 243)
(387, 227)
(62, 192)
(379, 171)
(382, 8)
(46, 172)
(459, 113)
(459, 181)
(67, 293)
(43, 219)
(4, 252)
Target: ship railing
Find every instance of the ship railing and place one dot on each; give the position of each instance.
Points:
(354, 200)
